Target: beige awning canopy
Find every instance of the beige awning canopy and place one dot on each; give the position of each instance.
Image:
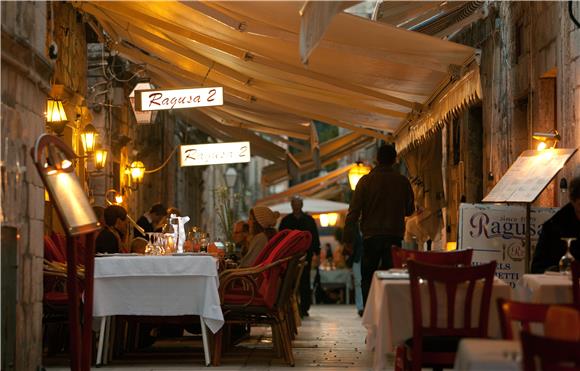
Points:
(311, 188)
(368, 77)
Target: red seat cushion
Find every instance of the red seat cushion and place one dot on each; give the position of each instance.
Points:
(242, 299)
(55, 297)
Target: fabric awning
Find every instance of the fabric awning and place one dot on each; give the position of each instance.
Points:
(368, 77)
(308, 187)
(312, 206)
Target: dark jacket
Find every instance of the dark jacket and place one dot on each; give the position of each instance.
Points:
(303, 223)
(107, 242)
(143, 222)
(381, 200)
(550, 247)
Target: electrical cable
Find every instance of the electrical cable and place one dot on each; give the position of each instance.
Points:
(576, 22)
(164, 162)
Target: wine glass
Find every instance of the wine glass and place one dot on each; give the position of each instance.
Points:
(567, 259)
(149, 247)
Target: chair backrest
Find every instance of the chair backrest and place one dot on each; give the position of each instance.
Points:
(52, 252)
(271, 245)
(549, 354)
(576, 282)
(59, 240)
(563, 322)
(295, 243)
(522, 313)
(450, 279)
(458, 257)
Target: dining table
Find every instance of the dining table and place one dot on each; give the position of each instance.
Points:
(488, 354)
(334, 278)
(388, 312)
(550, 287)
(145, 285)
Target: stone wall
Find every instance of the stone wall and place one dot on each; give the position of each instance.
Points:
(530, 79)
(25, 84)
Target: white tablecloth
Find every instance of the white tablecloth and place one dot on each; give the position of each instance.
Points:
(158, 286)
(545, 288)
(388, 314)
(486, 355)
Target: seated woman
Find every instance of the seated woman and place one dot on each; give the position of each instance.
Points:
(262, 223)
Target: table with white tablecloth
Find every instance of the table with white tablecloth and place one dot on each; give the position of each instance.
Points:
(332, 278)
(488, 354)
(552, 288)
(389, 320)
(158, 286)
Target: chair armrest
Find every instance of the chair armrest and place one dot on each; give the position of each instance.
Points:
(249, 277)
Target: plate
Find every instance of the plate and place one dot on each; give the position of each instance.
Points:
(100, 255)
(389, 275)
(190, 254)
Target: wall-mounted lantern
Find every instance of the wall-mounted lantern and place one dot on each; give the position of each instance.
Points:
(55, 116)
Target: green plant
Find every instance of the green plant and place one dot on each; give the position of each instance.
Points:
(226, 210)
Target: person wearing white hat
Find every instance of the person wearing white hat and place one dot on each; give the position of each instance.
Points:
(262, 223)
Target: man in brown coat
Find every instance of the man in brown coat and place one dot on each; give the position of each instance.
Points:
(381, 201)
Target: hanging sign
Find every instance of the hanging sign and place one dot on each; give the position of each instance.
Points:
(215, 153)
(498, 232)
(156, 100)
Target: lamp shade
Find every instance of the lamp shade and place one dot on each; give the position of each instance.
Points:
(89, 138)
(55, 115)
(55, 111)
(328, 220)
(231, 176)
(142, 117)
(357, 172)
(137, 172)
(100, 158)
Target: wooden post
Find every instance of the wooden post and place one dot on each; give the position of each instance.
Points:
(527, 260)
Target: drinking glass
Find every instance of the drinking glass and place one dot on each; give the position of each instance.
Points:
(149, 247)
(567, 259)
(203, 243)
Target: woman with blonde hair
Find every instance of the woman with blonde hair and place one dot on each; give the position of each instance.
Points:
(262, 223)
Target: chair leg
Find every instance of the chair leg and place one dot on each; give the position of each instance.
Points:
(287, 344)
(401, 358)
(217, 348)
(277, 341)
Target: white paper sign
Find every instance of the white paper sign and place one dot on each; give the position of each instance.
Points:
(215, 153)
(529, 175)
(156, 100)
(497, 232)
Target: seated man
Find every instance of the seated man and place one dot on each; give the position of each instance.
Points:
(565, 223)
(152, 220)
(111, 239)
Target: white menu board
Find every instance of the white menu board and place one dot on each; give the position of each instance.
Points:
(498, 232)
(529, 175)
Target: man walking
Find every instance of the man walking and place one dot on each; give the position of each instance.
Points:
(382, 199)
(303, 222)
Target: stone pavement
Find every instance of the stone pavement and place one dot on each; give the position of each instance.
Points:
(332, 338)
